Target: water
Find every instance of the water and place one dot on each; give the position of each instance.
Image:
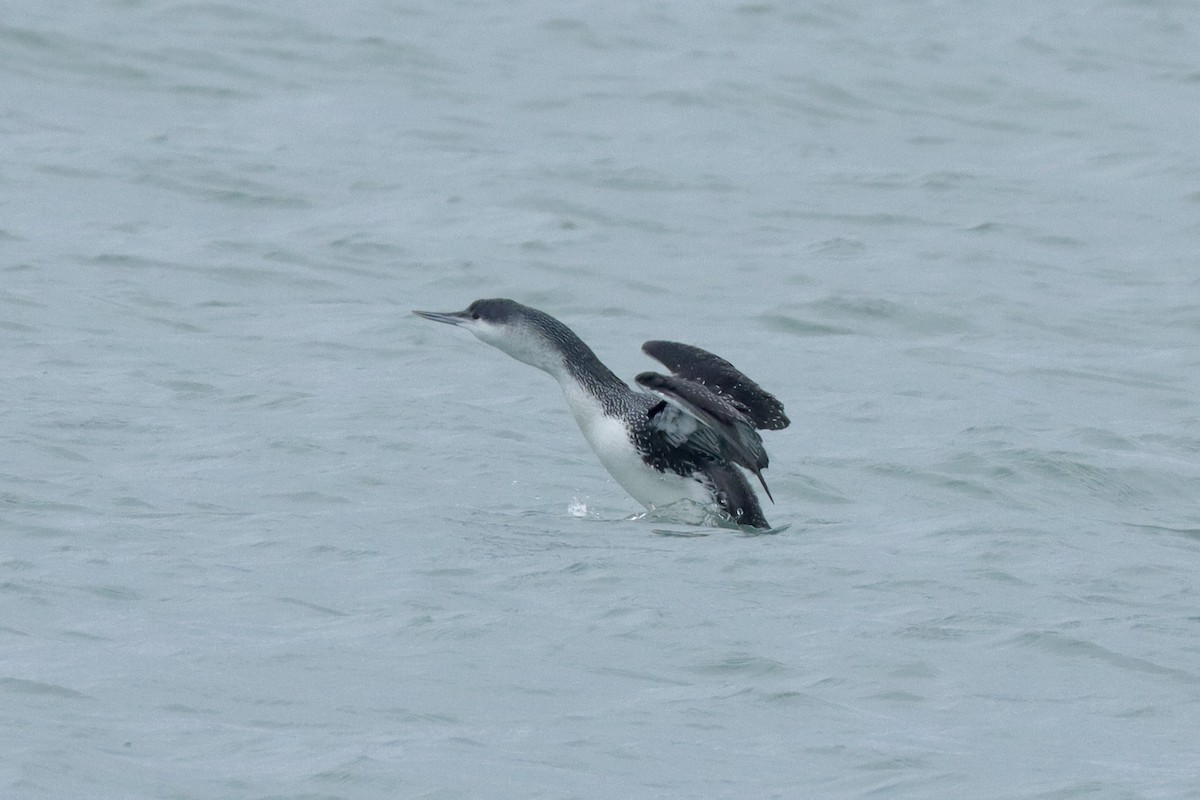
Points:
(264, 534)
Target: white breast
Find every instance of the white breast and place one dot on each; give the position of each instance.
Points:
(609, 437)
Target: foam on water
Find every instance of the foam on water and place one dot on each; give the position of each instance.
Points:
(264, 534)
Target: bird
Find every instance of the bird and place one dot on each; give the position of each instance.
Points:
(681, 437)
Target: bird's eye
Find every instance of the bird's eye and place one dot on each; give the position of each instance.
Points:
(474, 315)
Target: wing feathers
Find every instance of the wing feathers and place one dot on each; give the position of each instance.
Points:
(722, 378)
(712, 422)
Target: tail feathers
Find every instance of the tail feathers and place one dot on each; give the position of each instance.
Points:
(734, 495)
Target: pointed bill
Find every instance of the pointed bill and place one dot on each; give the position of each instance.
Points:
(450, 318)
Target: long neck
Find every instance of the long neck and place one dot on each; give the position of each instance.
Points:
(585, 379)
(578, 365)
(589, 385)
(583, 366)
(593, 392)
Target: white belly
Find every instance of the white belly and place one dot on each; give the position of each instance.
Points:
(610, 439)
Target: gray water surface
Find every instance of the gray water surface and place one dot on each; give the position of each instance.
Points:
(264, 534)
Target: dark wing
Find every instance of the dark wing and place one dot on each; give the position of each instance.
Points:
(720, 377)
(710, 422)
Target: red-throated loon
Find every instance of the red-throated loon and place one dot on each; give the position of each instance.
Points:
(681, 441)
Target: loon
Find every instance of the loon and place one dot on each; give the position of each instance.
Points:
(682, 439)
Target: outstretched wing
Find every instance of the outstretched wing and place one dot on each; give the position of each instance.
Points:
(722, 378)
(706, 420)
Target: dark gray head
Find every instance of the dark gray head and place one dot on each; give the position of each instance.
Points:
(526, 334)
